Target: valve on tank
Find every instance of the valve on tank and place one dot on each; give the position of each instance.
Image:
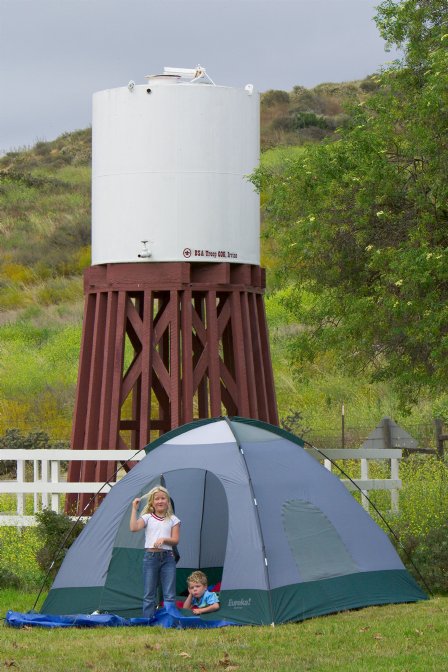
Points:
(146, 253)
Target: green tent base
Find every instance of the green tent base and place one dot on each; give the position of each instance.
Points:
(249, 607)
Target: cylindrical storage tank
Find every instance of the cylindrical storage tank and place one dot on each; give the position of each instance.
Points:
(171, 161)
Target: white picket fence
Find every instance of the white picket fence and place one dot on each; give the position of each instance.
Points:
(48, 483)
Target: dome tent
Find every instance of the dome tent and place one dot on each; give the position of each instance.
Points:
(284, 537)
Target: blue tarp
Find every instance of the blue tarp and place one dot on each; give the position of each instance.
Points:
(168, 617)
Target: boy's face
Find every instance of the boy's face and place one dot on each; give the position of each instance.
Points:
(196, 589)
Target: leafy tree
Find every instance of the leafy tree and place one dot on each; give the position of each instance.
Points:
(361, 224)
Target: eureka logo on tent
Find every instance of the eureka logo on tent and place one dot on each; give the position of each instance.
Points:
(239, 604)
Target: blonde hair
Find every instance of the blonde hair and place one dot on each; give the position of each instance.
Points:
(197, 577)
(149, 508)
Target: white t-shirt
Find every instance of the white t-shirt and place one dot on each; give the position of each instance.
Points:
(156, 527)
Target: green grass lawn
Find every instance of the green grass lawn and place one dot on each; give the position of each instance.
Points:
(395, 638)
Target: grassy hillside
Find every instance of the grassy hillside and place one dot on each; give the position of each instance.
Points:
(45, 229)
(309, 115)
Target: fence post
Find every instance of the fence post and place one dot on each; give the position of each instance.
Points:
(45, 479)
(394, 494)
(20, 495)
(364, 477)
(394, 472)
(440, 437)
(36, 479)
(55, 499)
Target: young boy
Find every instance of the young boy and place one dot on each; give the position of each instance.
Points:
(200, 600)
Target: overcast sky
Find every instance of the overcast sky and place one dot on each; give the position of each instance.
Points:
(55, 53)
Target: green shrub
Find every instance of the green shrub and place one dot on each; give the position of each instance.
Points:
(14, 439)
(57, 533)
(309, 119)
(427, 556)
(42, 148)
(274, 97)
(370, 83)
(9, 580)
(283, 124)
(13, 297)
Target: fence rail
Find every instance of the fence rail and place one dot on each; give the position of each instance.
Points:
(48, 480)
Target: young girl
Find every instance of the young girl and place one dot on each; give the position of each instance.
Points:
(162, 530)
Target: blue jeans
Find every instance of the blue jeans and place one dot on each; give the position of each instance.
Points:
(158, 566)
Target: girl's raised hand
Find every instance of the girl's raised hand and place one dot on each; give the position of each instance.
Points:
(136, 502)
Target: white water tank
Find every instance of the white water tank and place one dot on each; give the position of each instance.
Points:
(170, 166)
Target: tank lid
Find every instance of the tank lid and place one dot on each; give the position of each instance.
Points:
(169, 75)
